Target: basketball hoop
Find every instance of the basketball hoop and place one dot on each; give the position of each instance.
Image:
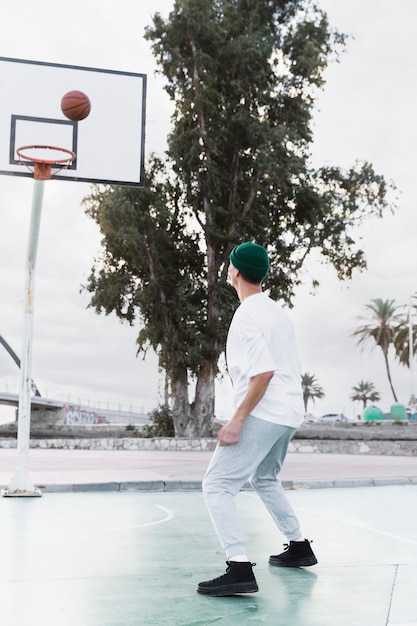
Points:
(40, 162)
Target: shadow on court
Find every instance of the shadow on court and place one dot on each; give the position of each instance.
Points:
(124, 559)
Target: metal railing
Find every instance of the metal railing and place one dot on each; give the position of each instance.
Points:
(91, 401)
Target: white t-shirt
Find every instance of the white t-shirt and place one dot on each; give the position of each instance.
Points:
(261, 339)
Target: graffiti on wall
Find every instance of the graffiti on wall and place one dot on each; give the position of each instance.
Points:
(80, 415)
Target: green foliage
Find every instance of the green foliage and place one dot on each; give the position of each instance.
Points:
(162, 423)
(132, 430)
(244, 76)
(153, 266)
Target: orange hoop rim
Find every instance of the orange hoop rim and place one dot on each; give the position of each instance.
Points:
(40, 167)
(71, 155)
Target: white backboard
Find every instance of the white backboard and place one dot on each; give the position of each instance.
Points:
(109, 143)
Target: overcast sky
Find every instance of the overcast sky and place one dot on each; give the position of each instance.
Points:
(367, 111)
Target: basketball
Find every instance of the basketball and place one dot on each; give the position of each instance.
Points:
(75, 105)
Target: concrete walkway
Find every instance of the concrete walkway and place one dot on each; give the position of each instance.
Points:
(87, 470)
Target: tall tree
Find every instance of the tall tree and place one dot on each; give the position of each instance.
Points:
(243, 76)
(311, 389)
(365, 392)
(383, 319)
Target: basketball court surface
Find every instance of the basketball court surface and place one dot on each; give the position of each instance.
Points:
(135, 558)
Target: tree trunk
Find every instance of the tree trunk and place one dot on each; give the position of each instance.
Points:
(201, 424)
(166, 390)
(181, 406)
(389, 376)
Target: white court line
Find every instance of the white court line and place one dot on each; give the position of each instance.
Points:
(169, 515)
(339, 520)
(363, 526)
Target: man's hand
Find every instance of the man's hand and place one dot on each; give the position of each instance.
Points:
(229, 434)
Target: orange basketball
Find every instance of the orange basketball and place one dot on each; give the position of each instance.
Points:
(75, 105)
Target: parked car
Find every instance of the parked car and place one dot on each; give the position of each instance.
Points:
(310, 419)
(333, 417)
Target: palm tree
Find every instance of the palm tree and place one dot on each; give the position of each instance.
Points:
(381, 327)
(402, 339)
(365, 391)
(311, 389)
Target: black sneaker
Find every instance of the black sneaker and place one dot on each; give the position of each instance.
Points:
(296, 554)
(239, 578)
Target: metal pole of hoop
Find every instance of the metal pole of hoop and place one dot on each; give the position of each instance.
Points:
(21, 483)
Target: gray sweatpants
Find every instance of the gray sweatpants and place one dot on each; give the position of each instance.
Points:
(257, 456)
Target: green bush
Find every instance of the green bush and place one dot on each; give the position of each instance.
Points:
(131, 430)
(162, 423)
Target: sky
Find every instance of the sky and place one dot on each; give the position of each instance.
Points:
(365, 112)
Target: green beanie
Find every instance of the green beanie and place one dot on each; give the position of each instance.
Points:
(251, 259)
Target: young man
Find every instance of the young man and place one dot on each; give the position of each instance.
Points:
(264, 368)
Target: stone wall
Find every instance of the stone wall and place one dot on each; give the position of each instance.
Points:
(118, 443)
(332, 446)
(323, 446)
